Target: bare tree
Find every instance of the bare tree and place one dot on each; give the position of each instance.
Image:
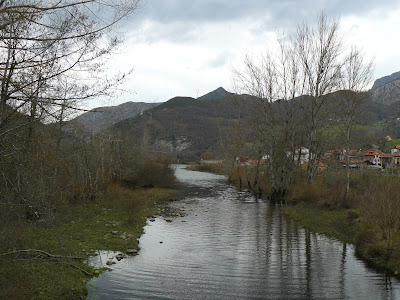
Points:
(356, 77)
(274, 80)
(52, 56)
(319, 53)
(259, 79)
(44, 43)
(294, 87)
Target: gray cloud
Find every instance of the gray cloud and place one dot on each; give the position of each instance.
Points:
(170, 11)
(219, 60)
(176, 32)
(179, 21)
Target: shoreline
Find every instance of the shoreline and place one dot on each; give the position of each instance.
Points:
(345, 224)
(115, 221)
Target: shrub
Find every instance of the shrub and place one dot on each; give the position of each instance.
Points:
(304, 191)
(381, 204)
(153, 173)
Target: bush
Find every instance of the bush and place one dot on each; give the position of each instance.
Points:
(303, 191)
(381, 205)
(155, 174)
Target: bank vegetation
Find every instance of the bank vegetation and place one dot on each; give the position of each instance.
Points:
(309, 97)
(63, 190)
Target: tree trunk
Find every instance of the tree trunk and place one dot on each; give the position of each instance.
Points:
(347, 190)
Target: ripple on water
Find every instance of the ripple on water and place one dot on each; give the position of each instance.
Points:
(233, 246)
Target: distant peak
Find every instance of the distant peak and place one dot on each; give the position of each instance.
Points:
(218, 93)
(386, 79)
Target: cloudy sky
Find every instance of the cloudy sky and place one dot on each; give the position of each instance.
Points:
(188, 48)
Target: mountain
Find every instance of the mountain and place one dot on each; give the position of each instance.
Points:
(192, 128)
(388, 93)
(216, 94)
(101, 118)
(186, 126)
(385, 80)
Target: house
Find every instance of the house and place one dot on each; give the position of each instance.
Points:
(338, 154)
(356, 163)
(395, 149)
(396, 159)
(373, 157)
(301, 155)
(387, 160)
(242, 159)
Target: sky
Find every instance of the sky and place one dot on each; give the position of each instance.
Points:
(188, 48)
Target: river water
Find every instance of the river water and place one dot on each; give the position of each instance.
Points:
(233, 246)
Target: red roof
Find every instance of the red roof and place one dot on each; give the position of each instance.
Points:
(353, 152)
(372, 152)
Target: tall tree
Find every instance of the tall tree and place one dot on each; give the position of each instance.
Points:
(45, 43)
(355, 80)
(319, 53)
(52, 55)
(274, 80)
(293, 86)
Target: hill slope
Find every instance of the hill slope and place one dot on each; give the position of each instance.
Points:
(385, 80)
(186, 126)
(388, 93)
(100, 118)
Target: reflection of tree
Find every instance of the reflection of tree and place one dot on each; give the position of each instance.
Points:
(342, 272)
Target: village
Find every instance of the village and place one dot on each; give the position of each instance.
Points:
(371, 158)
(358, 159)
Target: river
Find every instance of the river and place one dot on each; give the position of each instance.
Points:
(230, 245)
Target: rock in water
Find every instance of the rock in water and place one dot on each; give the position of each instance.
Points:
(119, 256)
(132, 251)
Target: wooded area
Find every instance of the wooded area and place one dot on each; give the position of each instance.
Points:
(298, 101)
(52, 58)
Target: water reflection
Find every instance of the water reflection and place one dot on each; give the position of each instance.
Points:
(233, 246)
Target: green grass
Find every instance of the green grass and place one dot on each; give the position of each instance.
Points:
(333, 223)
(79, 231)
(350, 226)
(395, 142)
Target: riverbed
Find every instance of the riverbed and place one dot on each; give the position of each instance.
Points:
(230, 245)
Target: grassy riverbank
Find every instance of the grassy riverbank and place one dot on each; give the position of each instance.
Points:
(370, 219)
(349, 226)
(114, 221)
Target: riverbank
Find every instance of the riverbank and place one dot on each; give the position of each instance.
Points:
(55, 266)
(349, 225)
(216, 168)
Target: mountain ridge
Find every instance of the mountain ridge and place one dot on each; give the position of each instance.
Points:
(215, 94)
(385, 80)
(100, 118)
